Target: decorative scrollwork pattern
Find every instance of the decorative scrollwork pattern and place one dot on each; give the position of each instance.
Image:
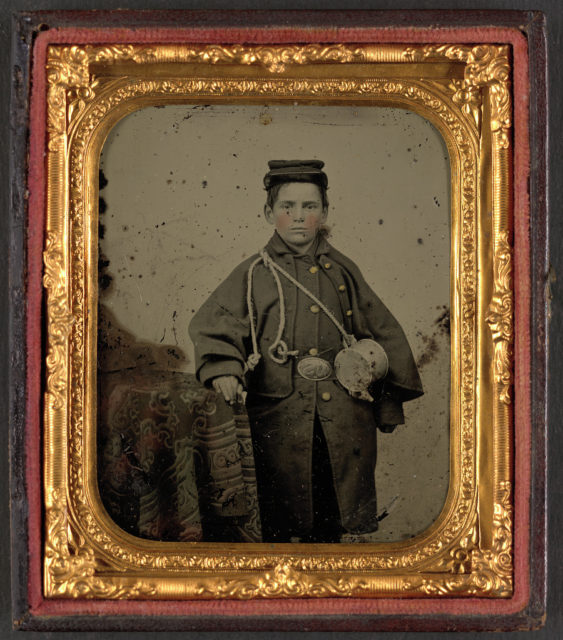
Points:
(490, 570)
(285, 581)
(500, 317)
(485, 66)
(60, 321)
(275, 59)
(411, 93)
(81, 552)
(71, 566)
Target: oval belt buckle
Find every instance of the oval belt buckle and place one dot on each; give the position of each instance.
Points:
(313, 368)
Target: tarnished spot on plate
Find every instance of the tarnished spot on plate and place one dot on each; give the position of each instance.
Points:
(313, 368)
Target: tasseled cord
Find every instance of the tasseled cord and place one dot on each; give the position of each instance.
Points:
(278, 350)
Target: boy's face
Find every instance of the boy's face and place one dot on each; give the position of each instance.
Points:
(297, 213)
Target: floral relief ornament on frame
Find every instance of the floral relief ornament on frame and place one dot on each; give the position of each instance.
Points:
(465, 89)
(80, 106)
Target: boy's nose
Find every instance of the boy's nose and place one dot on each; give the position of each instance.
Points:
(299, 214)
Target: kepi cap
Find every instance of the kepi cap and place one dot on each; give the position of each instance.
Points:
(295, 171)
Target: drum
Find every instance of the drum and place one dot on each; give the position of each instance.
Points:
(360, 365)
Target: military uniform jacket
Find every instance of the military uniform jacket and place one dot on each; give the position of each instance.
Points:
(281, 404)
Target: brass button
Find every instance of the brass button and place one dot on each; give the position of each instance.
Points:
(313, 269)
(314, 308)
(326, 396)
(313, 351)
(342, 287)
(349, 312)
(327, 265)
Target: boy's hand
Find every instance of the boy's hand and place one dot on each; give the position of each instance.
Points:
(387, 428)
(230, 388)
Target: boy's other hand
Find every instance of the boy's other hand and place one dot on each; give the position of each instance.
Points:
(387, 428)
(230, 388)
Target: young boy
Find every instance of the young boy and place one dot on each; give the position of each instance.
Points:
(262, 331)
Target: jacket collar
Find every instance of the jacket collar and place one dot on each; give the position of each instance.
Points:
(278, 247)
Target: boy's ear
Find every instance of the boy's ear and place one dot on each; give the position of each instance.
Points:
(269, 214)
(324, 215)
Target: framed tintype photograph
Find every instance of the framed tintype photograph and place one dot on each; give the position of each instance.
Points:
(280, 292)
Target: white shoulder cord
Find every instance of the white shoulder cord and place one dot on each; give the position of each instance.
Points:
(279, 347)
(254, 357)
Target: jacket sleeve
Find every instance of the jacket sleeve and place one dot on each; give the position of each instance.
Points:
(220, 330)
(389, 412)
(375, 320)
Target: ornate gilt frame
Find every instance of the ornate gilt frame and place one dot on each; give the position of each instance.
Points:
(465, 91)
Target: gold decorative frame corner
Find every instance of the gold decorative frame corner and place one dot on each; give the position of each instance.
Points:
(465, 92)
